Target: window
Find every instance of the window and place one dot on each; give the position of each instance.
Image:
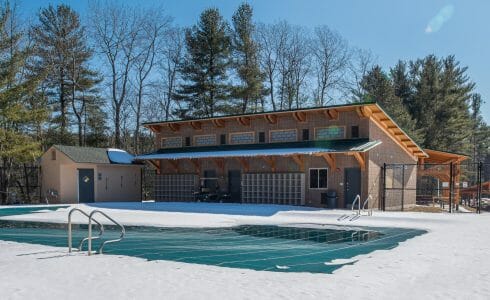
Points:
(306, 134)
(222, 139)
(172, 142)
(187, 141)
(53, 155)
(330, 133)
(261, 137)
(242, 138)
(354, 132)
(318, 178)
(283, 135)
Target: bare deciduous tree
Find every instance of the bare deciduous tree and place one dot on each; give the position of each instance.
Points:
(116, 29)
(331, 58)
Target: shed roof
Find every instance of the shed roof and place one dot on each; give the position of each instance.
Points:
(270, 149)
(95, 155)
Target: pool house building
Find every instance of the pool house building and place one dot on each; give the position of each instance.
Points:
(297, 157)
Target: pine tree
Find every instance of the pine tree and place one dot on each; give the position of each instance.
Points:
(62, 53)
(377, 86)
(205, 90)
(246, 61)
(17, 114)
(440, 105)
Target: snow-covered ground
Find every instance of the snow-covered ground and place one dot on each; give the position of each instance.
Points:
(451, 261)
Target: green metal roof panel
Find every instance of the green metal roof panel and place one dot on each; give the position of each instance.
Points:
(248, 150)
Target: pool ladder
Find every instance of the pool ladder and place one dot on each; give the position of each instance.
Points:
(360, 209)
(89, 238)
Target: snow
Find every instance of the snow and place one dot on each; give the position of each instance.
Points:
(451, 261)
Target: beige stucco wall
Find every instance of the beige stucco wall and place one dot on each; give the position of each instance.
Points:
(62, 175)
(118, 183)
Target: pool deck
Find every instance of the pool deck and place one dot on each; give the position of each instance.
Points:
(451, 261)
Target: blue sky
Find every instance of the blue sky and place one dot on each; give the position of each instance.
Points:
(392, 30)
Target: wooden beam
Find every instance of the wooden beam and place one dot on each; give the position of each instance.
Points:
(197, 165)
(363, 111)
(174, 127)
(174, 164)
(244, 163)
(196, 125)
(299, 116)
(154, 128)
(220, 163)
(330, 159)
(156, 164)
(360, 157)
(332, 114)
(244, 121)
(271, 161)
(298, 159)
(272, 119)
(219, 123)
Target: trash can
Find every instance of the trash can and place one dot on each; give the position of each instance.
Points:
(331, 199)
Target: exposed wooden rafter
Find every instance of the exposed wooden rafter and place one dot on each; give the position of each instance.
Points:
(174, 164)
(271, 161)
(220, 163)
(363, 111)
(154, 128)
(360, 157)
(244, 163)
(299, 116)
(331, 114)
(272, 119)
(196, 125)
(156, 164)
(298, 159)
(219, 123)
(197, 165)
(330, 159)
(244, 121)
(174, 127)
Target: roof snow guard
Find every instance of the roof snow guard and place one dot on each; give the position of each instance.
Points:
(273, 149)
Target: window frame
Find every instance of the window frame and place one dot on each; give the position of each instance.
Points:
(325, 127)
(318, 179)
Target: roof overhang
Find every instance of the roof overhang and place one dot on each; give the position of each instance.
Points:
(254, 150)
(443, 157)
(370, 110)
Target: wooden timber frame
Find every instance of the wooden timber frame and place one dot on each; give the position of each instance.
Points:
(371, 111)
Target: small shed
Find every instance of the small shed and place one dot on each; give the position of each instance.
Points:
(84, 174)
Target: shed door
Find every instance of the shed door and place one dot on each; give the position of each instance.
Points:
(352, 185)
(85, 185)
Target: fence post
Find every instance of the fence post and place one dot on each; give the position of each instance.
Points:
(451, 187)
(479, 186)
(403, 186)
(383, 204)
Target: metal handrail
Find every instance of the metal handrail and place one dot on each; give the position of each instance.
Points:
(101, 228)
(370, 211)
(123, 231)
(357, 200)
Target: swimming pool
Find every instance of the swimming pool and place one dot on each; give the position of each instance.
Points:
(21, 210)
(258, 247)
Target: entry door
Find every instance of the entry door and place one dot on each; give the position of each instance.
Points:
(85, 185)
(352, 186)
(235, 185)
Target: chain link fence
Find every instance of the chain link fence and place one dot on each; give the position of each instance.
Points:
(447, 187)
(20, 184)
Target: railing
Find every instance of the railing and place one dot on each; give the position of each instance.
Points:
(354, 216)
(101, 228)
(123, 231)
(366, 202)
(358, 201)
(89, 238)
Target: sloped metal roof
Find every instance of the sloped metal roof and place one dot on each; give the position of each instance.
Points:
(270, 149)
(95, 155)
